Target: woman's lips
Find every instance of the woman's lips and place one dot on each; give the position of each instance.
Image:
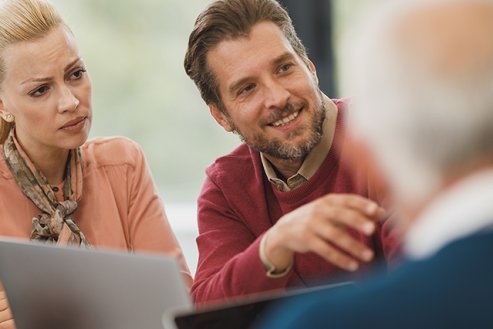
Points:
(75, 124)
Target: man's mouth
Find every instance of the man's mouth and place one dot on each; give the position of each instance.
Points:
(284, 121)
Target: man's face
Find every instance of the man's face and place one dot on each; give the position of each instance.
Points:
(270, 95)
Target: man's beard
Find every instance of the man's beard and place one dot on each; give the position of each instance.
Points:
(279, 149)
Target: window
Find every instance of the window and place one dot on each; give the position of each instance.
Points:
(134, 53)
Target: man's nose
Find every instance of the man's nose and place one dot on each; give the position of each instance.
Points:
(276, 95)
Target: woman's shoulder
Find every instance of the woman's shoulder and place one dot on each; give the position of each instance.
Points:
(107, 151)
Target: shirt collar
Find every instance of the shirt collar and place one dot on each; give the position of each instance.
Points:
(315, 158)
(461, 211)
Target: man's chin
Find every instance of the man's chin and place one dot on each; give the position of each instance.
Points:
(298, 147)
(286, 151)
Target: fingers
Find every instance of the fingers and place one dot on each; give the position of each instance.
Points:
(332, 255)
(351, 211)
(5, 314)
(3, 301)
(349, 218)
(355, 202)
(321, 227)
(6, 320)
(340, 238)
(9, 324)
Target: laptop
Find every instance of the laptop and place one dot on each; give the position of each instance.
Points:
(244, 313)
(65, 287)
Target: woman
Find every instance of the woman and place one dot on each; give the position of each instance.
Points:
(55, 185)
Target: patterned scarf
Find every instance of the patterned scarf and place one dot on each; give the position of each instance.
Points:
(51, 225)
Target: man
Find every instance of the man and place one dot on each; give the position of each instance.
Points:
(423, 73)
(282, 210)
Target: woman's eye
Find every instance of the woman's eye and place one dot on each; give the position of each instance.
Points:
(39, 91)
(76, 75)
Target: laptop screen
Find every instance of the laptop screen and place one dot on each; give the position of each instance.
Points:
(65, 287)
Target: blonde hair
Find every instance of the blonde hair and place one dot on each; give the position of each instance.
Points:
(23, 20)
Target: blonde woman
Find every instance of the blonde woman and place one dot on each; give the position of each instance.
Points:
(56, 186)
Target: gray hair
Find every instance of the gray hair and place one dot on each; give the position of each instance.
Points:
(424, 91)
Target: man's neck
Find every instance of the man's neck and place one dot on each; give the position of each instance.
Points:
(286, 168)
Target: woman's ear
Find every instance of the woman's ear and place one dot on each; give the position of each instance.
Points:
(7, 116)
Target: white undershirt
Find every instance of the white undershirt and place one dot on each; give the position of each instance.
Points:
(463, 210)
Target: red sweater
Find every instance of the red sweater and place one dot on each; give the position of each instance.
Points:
(238, 204)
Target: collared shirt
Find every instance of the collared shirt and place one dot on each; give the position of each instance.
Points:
(314, 159)
(119, 209)
(463, 210)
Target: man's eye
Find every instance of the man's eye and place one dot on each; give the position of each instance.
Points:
(39, 91)
(246, 89)
(285, 68)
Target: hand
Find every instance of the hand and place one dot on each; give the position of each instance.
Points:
(6, 320)
(319, 226)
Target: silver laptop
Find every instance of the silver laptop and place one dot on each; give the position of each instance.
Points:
(62, 287)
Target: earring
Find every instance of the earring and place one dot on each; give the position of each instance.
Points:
(8, 117)
(76, 102)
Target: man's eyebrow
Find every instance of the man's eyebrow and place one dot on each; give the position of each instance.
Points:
(237, 84)
(278, 60)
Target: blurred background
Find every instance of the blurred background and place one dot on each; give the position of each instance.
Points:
(134, 53)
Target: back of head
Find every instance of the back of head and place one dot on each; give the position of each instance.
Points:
(23, 20)
(227, 20)
(422, 75)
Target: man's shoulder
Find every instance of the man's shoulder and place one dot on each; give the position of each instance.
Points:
(240, 162)
(418, 294)
(342, 104)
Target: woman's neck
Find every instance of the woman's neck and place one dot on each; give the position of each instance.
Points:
(50, 163)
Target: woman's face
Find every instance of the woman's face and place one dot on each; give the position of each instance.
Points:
(48, 92)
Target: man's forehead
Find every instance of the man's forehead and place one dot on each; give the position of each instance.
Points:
(264, 43)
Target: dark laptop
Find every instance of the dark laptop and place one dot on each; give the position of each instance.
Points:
(241, 314)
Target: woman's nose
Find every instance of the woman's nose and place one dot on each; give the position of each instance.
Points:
(67, 101)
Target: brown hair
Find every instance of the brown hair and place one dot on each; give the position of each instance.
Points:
(23, 20)
(227, 20)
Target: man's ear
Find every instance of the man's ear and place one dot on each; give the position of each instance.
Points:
(221, 118)
(312, 69)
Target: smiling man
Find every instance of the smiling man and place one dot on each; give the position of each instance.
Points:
(285, 209)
